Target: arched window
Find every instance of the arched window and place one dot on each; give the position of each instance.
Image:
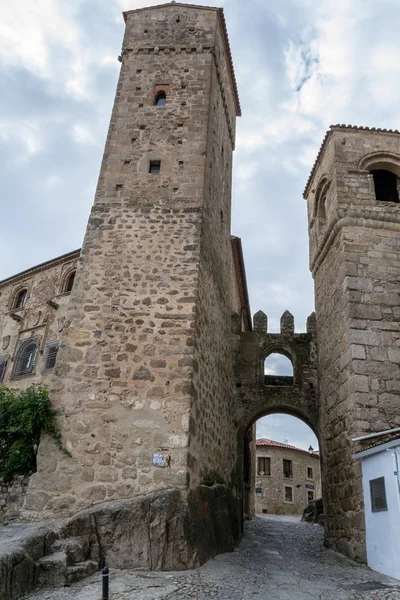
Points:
(385, 183)
(278, 370)
(25, 358)
(20, 298)
(161, 99)
(69, 282)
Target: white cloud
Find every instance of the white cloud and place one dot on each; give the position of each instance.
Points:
(82, 135)
(24, 136)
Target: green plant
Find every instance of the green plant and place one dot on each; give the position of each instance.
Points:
(24, 416)
(210, 476)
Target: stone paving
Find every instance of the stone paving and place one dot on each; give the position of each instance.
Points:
(279, 558)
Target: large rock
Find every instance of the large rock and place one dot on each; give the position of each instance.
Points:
(314, 512)
(164, 530)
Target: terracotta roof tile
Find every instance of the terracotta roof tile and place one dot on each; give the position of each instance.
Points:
(339, 127)
(274, 444)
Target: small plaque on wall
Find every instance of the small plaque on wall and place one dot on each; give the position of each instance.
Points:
(158, 460)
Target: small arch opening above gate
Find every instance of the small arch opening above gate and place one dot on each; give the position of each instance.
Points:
(278, 369)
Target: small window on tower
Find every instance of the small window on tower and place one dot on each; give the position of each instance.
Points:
(155, 167)
(385, 183)
(161, 99)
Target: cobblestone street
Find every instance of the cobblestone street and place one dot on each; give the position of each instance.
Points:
(279, 558)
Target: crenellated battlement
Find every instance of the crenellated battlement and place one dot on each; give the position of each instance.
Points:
(259, 394)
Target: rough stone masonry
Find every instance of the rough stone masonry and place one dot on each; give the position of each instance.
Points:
(144, 374)
(159, 377)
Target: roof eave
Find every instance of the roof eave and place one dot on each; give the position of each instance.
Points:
(221, 17)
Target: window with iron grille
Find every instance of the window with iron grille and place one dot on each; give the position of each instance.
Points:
(288, 493)
(287, 468)
(20, 299)
(25, 358)
(51, 355)
(378, 494)
(264, 465)
(3, 365)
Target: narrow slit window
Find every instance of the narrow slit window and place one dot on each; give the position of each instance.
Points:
(3, 365)
(20, 299)
(161, 99)
(69, 282)
(51, 356)
(155, 167)
(310, 474)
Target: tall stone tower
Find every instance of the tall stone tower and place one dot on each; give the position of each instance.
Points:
(144, 376)
(354, 225)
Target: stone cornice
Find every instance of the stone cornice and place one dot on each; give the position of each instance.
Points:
(346, 128)
(352, 218)
(42, 266)
(221, 18)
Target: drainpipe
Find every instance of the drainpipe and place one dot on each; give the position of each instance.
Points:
(374, 435)
(396, 458)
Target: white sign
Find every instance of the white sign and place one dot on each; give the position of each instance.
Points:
(158, 460)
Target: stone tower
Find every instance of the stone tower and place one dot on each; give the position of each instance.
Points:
(354, 223)
(144, 376)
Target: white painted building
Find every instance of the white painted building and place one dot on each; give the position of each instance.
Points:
(381, 485)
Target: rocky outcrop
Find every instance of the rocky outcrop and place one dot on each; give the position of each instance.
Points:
(314, 512)
(167, 530)
(160, 531)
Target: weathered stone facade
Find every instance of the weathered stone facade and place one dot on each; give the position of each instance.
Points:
(303, 478)
(159, 377)
(144, 377)
(12, 496)
(42, 316)
(354, 258)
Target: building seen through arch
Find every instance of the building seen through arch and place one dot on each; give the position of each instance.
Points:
(287, 476)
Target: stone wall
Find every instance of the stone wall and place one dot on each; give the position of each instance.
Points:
(213, 432)
(42, 317)
(12, 496)
(144, 376)
(354, 258)
(272, 497)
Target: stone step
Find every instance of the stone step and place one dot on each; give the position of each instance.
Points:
(80, 570)
(51, 570)
(77, 549)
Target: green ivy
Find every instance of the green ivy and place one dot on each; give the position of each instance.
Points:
(210, 476)
(24, 416)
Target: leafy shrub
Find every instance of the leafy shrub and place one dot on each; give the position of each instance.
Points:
(24, 416)
(210, 476)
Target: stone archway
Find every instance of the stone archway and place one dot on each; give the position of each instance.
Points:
(258, 394)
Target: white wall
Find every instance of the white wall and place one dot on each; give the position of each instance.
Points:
(383, 528)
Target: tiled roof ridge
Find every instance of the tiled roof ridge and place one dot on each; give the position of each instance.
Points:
(339, 127)
(221, 16)
(275, 444)
(378, 441)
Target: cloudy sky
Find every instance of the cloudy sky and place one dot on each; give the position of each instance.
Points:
(301, 65)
